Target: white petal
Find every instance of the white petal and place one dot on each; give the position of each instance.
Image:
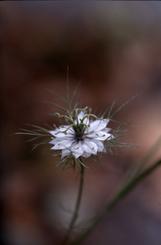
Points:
(86, 155)
(53, 132)
(100, 135)
(98, 125)
(52, 142)
(107, 130)
(100, 145)
(93, 147)
(77, 150)
(86, 148)
(61, 139)
(59, 134)
(60, 145)
(65, 153)
(63, 130)
(80, 116)
(86, 121)
(110, 137)
(77, 154)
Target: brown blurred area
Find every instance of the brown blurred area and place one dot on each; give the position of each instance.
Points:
(113, 51)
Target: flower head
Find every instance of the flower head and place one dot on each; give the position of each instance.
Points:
(83, 136)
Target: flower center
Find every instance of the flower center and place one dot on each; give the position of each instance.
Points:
(79, 131)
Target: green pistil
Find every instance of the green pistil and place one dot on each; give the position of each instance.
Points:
(79, 131)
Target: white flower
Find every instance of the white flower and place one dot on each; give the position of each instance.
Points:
(84, 137)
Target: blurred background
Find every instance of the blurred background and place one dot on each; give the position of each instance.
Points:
(113, 51)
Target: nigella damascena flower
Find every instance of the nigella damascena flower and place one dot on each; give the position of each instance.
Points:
(83, 136)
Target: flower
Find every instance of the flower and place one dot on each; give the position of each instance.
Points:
(83, 136)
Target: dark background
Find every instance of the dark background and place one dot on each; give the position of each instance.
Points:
(113, 51)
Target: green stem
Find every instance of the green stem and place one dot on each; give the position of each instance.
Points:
(77, 206)
(122, 193)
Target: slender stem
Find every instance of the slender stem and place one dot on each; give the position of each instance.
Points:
(122, 193)
(77, 206)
